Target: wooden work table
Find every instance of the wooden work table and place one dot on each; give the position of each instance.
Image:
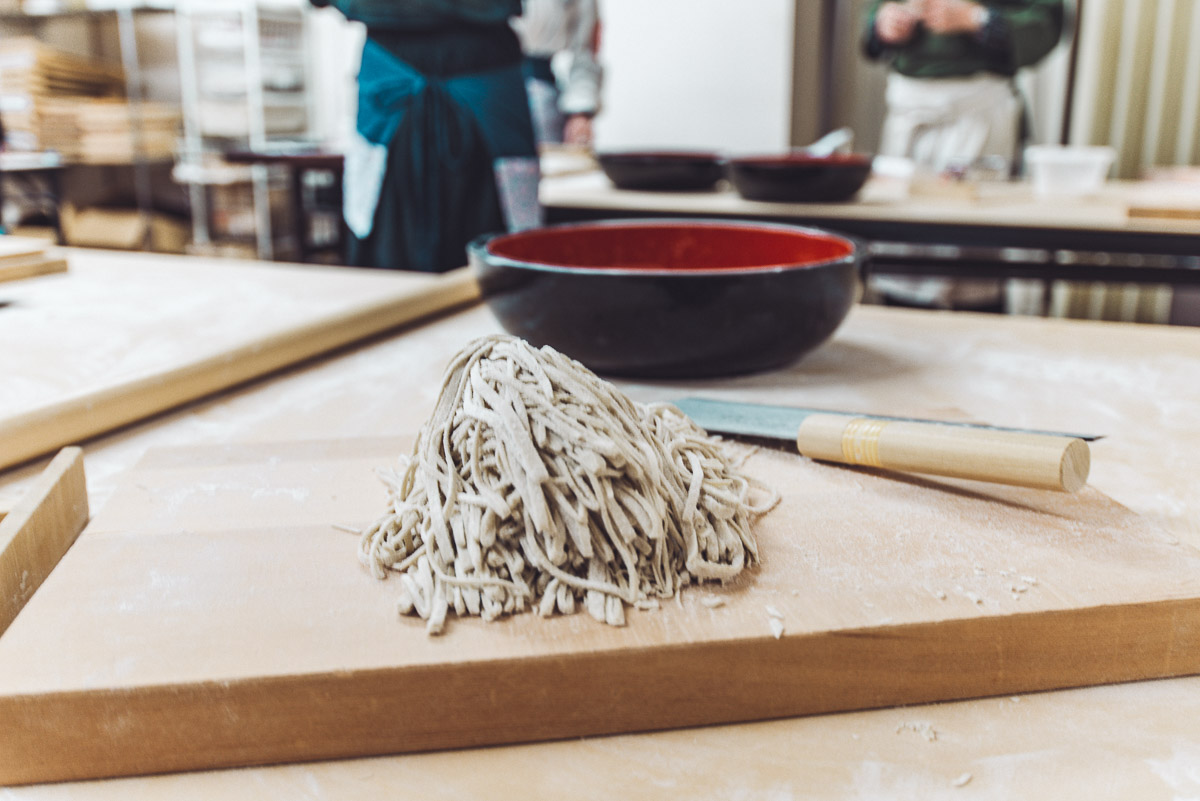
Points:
(1137, 385)
(995, 203)
(1129, 218)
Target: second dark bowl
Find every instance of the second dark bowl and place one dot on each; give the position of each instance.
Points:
(670, 299)
(663, 171)
(800, 178)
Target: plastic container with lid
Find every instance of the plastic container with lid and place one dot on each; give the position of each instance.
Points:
(1068, 170)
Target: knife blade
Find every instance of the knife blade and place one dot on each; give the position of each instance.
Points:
(1021, 457)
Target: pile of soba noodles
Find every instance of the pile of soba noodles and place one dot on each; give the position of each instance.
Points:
(537, 485)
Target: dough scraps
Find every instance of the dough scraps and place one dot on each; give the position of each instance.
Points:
(535, 484)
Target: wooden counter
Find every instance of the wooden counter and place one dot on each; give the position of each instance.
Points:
(1136, 384)
(995, 204)
(990, 215)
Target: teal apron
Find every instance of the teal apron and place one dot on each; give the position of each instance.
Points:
(420, 180)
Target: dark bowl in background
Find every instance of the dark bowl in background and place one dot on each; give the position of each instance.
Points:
(663, 171)
(800, 178)
(670, 298)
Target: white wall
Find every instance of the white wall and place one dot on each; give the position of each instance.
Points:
(710, 74)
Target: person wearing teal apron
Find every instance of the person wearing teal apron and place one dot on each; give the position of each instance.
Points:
(441, 105)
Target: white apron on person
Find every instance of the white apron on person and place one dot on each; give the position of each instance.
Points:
(937, 123)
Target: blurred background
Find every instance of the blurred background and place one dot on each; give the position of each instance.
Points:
(147, 125)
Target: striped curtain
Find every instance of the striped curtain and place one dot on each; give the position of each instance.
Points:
(1137, 82)
(1137, 88)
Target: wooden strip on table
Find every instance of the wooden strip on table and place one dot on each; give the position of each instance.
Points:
(25, 436)
(19, 247)
(15, 270)
(39, 529)
(1167, 211)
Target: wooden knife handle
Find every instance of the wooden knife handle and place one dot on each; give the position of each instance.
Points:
(1044, 461)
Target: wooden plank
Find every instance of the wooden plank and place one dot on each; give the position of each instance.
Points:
(17, 269)
(1171, 211)
(360, 304)
(39, 529)
(1168, 194)
(212, 616)
(20, 247)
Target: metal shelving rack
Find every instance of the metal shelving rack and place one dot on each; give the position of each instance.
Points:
(261, 43)
(126, 23)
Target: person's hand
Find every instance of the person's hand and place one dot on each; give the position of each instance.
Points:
(578, 130)
(895, 22)
(953, 16)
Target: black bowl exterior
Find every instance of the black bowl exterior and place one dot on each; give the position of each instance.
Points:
(670, 326)
(801, 182)
(667, 172)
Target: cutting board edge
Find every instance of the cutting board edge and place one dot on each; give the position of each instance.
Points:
(225, 724)
(40, 529)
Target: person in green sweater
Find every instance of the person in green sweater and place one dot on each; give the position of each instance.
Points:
(950, 95)
(952, 102)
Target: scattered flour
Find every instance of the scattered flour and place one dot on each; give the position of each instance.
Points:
(922, 728)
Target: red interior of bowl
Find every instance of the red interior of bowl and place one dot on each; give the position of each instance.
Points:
(806, 160)
(671, 247)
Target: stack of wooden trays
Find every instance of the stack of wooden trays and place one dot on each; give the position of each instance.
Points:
(32, 73)
(108, 130)
(24, 257)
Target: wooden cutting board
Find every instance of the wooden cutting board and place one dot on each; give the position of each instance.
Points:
(19, 247)
(21, 267)
(212, 615)
(24, 257)
(1174, 200)
(125, 336)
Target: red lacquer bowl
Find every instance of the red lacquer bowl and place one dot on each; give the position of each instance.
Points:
(800, 178)
(662, 171)
(677, 298)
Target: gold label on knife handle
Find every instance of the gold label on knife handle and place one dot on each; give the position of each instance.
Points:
(860, 441)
